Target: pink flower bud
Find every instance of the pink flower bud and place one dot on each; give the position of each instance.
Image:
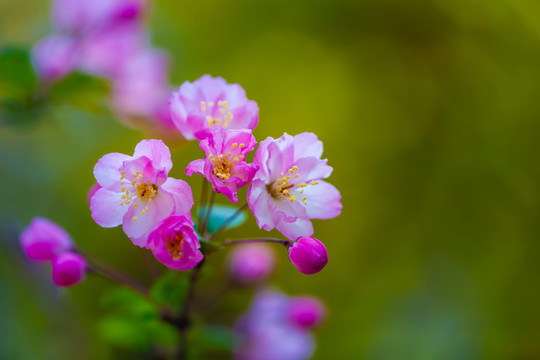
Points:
(306, 311)
(308, 255)
(43, 240)
(68, 269)
(252, 262)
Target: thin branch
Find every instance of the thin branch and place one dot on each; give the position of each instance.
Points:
(286, 243)
(204, 196)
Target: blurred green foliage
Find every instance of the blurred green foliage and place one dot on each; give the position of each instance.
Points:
(428, 113)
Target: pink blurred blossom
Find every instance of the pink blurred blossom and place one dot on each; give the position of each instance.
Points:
(136, 191)
(43, 240)
(68, 269)
(252, 262)
(306, 311)
(209, 102)
(54, 56)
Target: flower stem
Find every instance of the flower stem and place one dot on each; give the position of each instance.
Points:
(104, 269)
(286, 243)
(229, 220)
(208, 210)
(204, 196)
(184, 321)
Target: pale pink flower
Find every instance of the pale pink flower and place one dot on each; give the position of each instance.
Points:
(225, 163)
(136, 191)
(287, 190)
(211, 101)
(175, 243)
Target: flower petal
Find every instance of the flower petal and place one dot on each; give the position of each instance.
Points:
(294, 230)
(181, 193)
(106, 209)
(156, 151)
(196, 166)
(307, 144)
(323, 201)
(107, 169)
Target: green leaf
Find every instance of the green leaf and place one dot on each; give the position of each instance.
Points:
(82, 91)
(219, 214)
(170, 289)
(125, 301)
(18, 79)
(124, 332)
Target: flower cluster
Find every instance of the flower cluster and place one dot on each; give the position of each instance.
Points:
(107, 38)
(44, 241)
(278, 327)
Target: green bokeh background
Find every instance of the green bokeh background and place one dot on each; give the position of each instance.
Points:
(429, 113)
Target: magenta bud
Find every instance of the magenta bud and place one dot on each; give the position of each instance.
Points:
(43, 240)
(68, 269)
(92, 191)
(252, 262)
(308, 255)
(306, 311)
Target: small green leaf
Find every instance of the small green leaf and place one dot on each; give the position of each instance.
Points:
(124, 332)
(81, 90)
(219, 214)
(125, 301)
(17, 76)
(170, 289)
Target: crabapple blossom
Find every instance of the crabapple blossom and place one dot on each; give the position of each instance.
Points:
(287, 190)
(308, 255)
(54, 56)
(208, 102)
(306, 311)
(44, 240)
(225, 163)
(136, 192)
(68, 269)
(175, 243)
(251, 262)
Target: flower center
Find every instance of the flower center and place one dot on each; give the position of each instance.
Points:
(174, 246)
(139, 190)
(224, 162)
(221, 116)
(283, 189)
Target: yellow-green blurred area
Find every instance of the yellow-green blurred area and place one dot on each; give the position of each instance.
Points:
(429, 111)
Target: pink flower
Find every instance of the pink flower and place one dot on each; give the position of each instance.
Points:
(93, 189)
(308, 255)
(211, 101)
(43, 240)
(287, 190)
(306, 311)
(225, 163)
(175, 244)
(68, 269)
(136, 191)
(79, 16)
(106, 52)
(252, 262)
(54, 56)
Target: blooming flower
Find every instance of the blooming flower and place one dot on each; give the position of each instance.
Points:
(252, 262)
(264, 332)
(68, 269)
(43, 240)
(175, 244)
(287, 190)
(225, 163)
(308, 255)
(306, 311)
(136, 191)
(211, 101)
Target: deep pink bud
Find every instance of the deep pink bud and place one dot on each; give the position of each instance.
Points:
(252, 262)
(68, 269)
(306, 311)
(43, 240)
(308, 255)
